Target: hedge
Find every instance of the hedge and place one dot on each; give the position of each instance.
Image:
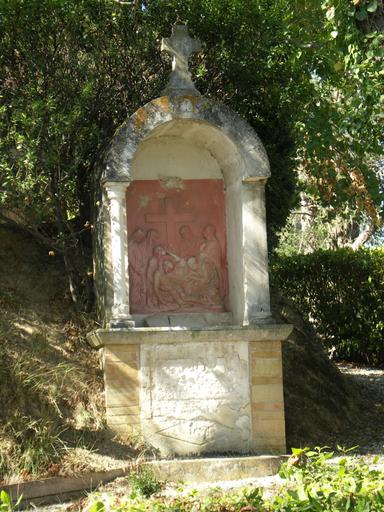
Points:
(341, 292)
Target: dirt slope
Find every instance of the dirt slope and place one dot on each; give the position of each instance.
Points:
(321, 403)
(51, 387)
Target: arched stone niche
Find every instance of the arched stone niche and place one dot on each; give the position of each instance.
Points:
(192, 138)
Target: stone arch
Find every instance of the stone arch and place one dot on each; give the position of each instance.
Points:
(252, 159)
(240, 159)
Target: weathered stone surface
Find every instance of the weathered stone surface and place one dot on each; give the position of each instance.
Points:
(267, 399)
(180, 46)
(199, 321)
(120, 155)
(266, 335)
(122, 387)
(188, 321)
(198, 391)
(160, 320)
(196, 402)
(216, 469)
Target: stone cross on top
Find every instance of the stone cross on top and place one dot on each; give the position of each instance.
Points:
(181, 46)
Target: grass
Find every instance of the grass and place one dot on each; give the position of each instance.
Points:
(46, 393)
(51, 386)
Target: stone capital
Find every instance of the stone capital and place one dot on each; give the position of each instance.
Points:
(116, 189)
(256, 181)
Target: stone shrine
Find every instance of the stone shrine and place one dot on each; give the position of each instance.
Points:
(191, 355)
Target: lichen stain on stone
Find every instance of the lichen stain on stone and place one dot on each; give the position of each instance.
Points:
(171, 182)
(141, 117)
(163, 103)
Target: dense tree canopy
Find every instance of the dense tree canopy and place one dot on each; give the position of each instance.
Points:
(306, 74)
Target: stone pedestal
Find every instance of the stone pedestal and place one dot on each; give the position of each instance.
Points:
(189, 392)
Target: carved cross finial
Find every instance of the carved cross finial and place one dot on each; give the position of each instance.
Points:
(181, 46)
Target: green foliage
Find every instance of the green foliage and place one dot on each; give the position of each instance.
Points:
(301, 72)
(143, 482)
(348, 485)
(341, 292)
(312, 483)
(335, 159)
(323, 228)
(214, 501)
(6, 504)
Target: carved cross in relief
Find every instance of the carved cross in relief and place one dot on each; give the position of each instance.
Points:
(180, 46)
(172, 220)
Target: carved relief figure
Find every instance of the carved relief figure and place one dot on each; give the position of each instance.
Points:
(204, 282)
(152, 239)
(188, 243)
(154, 264)
(163, 280)
(210, 246)
(167, 286)
(137, 266)
(177, 246)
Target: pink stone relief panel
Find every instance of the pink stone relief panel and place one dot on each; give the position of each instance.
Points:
(177, 246)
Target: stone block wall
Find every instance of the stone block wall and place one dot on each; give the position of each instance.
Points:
(122, 387)
(197, 392)
(267, 399)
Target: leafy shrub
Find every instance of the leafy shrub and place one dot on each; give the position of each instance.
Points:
(144, 482)
(342, 293)
(315, 484)
(5, 502)
(311, 483)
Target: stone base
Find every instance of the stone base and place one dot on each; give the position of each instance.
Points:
(216, 469)
(186, 320)
(194, 392)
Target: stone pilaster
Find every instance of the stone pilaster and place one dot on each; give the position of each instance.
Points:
(119, 252)
(257, 307)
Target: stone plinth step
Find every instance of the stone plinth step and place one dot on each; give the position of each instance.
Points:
(216, 468)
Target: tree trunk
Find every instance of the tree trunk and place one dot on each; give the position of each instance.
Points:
(363, 237)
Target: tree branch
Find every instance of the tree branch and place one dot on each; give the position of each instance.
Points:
(364, 236)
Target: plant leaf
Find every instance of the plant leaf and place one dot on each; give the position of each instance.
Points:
(372, 6)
